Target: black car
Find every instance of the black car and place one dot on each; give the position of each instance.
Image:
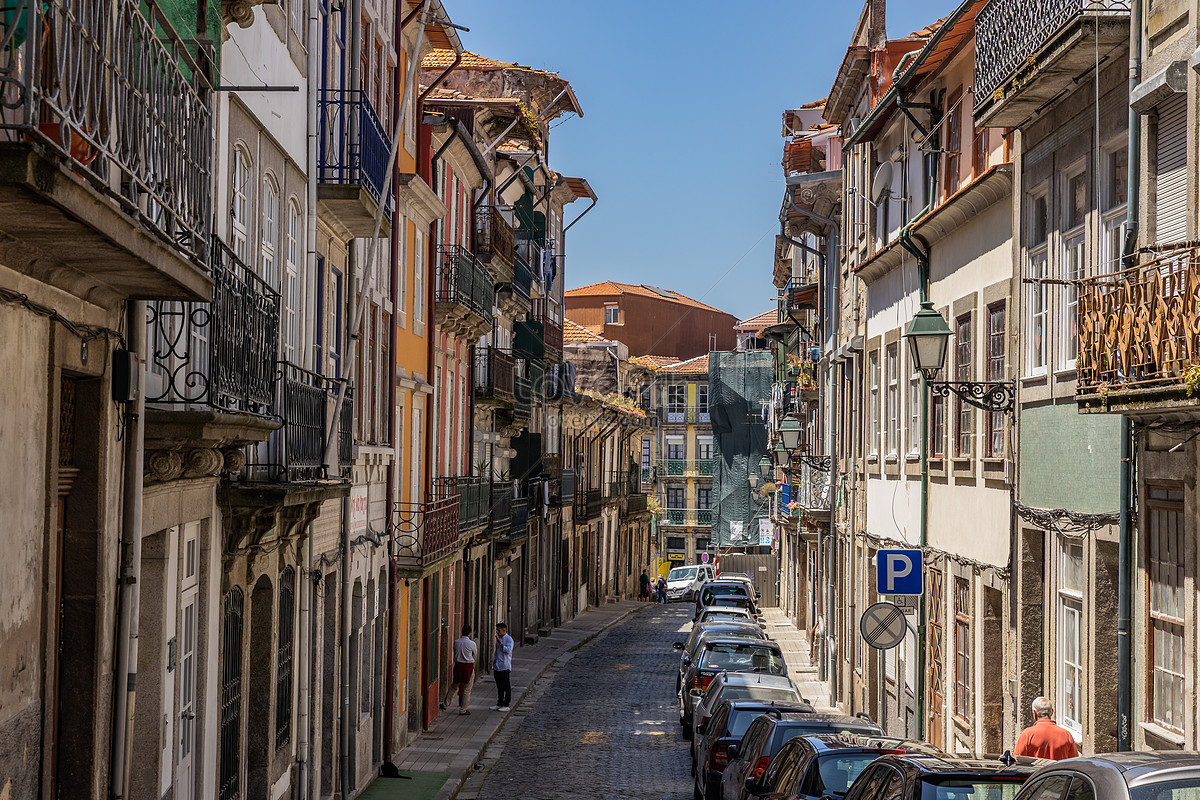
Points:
(749, 760)
(710, 745)
(1117, 776)
(943, 777)
(689, 648)
(825, 765)
(710, 591)
(726, 654)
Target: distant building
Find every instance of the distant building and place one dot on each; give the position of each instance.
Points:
(650, 320)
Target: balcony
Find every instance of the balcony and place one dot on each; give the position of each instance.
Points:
(594, 502)
(530, 254)
(493, 236)
(465, 293)
(500, 510)
(351, 163)
(552, 332)
(106, 157)
(676, 415)
(473, 494)
(569, 479)
(636, 504)
(811, 492)
(676, 516)
(1028, 52)
(686, 468)
(296, 453)
(696, 415)
(1139, 337)
(522, 281)
(704, 516)
(494, 369)
(647, 476)
(425, 533)
(522, 392)
(520, 519)
(560, 382)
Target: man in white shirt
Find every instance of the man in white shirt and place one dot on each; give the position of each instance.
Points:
(464, 671)
(502, 667)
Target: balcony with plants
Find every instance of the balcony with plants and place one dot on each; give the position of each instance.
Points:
(1028, 52)
(464, 293)
(352, 159)
(106, 156)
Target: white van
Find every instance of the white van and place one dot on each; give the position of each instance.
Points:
(684, 582)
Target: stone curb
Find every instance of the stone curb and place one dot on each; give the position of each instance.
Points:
(454, 783)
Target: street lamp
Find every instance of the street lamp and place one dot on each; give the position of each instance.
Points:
(764, 467)
(928, 338)
(783, 456)
(790, 430)
(753, 478)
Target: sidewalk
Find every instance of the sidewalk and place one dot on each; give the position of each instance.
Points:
(440, 758)
(796, 653)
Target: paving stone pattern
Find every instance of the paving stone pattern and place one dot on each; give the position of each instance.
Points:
(603, 724)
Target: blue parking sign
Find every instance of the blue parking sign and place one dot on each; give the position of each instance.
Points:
(898, 572)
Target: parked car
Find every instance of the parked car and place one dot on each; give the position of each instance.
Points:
(736, 601)
(746, 579)
(824, 765)
(943, 777)
(689, 647)
(750, 760)
(710, 591)
(724, 613)
(740, 686)
(710, 746)
(684, 582)
(726, 654)
(1117, 776)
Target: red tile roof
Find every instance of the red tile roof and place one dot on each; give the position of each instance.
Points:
(645, 290)
(693, 366)
(758, 321)
(574, 333)
(655, 362)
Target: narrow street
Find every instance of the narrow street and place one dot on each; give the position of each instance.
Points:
(606, 726)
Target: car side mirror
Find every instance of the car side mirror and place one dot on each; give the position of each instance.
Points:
(687, 660)
(677, 645)
(697, 693)
(702, 727)
(731, 751)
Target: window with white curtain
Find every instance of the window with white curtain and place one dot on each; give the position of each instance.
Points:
(419, 298)
(893, 399)
(1071, 577)
(873, 444)
(269, 232)
(293, 253)
(239, 203)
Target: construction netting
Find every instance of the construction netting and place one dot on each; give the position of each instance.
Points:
(739, 382)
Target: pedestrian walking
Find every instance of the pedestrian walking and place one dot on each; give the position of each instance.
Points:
(1045, 738)
(662, 589)
(645, 583)
(465, 650)
(502, 667)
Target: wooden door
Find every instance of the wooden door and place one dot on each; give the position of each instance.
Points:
(936, 632)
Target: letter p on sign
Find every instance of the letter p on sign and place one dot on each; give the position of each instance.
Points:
(898, 572)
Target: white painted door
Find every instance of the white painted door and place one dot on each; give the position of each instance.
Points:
(185, 779)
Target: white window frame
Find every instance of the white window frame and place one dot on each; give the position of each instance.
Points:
(873, 445)
(1074, 268)
(269, 232)
(240, 202)
(893, 399)
(419, 281)
(914, 410)
(293, 257)
(615, 316)
(1037, 312)
(1070, 637)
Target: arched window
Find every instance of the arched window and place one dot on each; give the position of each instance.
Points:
(239, 202)
(269, 232)
(283, 659)
(231, 695)
(293, 253)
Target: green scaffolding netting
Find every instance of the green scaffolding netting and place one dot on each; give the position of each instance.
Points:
(738, 383)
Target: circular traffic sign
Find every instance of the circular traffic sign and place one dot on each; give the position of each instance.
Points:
(883, 626)
(704, 558)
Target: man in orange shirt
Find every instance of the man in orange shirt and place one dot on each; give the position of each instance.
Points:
(1045, 738)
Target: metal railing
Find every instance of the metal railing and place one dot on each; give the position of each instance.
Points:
(569, 479)
(474, 495)
(675, 415)
(520, 518)
(111, 88)
(676, 516)
(494, 368)
(500, 511)
(522, 394)
(353, 146)
(552, 332)
(529, 253)
(425, 532)
(522, 276)
(704, 516)
(219, 354)
(636, 504)
(462, 279)
(1009, 32)
(812, 491)
(677, 467)
(493, 234)
(1140, 328)
(593, 502)
(295, 452)
(345, 434)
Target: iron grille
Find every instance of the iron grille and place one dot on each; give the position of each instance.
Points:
(283, 659)
(473, 493)
(462, 280)
(426, 532)
(493, 368)
(354, 147)
(231, 696)
(493, 234)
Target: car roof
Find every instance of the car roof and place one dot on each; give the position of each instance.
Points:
(749, 678)
(944, 764)
(783, 706)
(724, 610)
(837, 719)
(733, 630)
(725, 582)
(742, 640)
(849, 742)
(1135, 768)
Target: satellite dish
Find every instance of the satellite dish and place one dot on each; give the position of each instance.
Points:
(881, 184)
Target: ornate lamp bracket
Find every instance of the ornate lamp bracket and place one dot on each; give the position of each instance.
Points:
(819, 463)
(986, 395)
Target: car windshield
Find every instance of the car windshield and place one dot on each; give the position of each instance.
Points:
(1186, 789)
(682, 574)
(749, 657)
(757, 692)
(731, 602)
(722, 590)
(980, 788)
(835, 773)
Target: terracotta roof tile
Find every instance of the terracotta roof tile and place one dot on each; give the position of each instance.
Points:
(574, 333)
(693, 366)
(655, 362)
(645, 290)
(439, 58)
(758, 321)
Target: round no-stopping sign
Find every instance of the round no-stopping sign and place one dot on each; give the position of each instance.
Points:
(883, 626)
(704, 558)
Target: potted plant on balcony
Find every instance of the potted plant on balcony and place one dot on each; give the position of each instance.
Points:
(793, 509)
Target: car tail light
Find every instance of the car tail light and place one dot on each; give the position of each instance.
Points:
(759, 768)
(719, 757)
(701, 681)
(884, 751)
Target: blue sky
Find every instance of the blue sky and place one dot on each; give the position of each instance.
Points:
(680, 137)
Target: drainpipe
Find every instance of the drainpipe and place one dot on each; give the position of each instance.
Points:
(304, 694)
(1127, 489)
(125, 675)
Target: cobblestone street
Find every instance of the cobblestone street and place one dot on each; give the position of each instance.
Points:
(606, 726)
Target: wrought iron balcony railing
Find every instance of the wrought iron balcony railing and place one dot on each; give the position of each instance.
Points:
(296, 452)
(462, 280)
(676, 516)
(676, 415)
(425, 532)
(704, 516)
(500, 510)
(493, 235)
(494, 371)
(647, 475)
(680, 467)
(522, 395)
(353, 146)
(529, 251)
(1140, 328)
(520, 518)
(112, 89)
(522, 276)
(593, 502)
(474, 495)
(811, 490)
(219, 354)
(569, 478)
(552, 332)
(1008, 33)
(636, 504)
